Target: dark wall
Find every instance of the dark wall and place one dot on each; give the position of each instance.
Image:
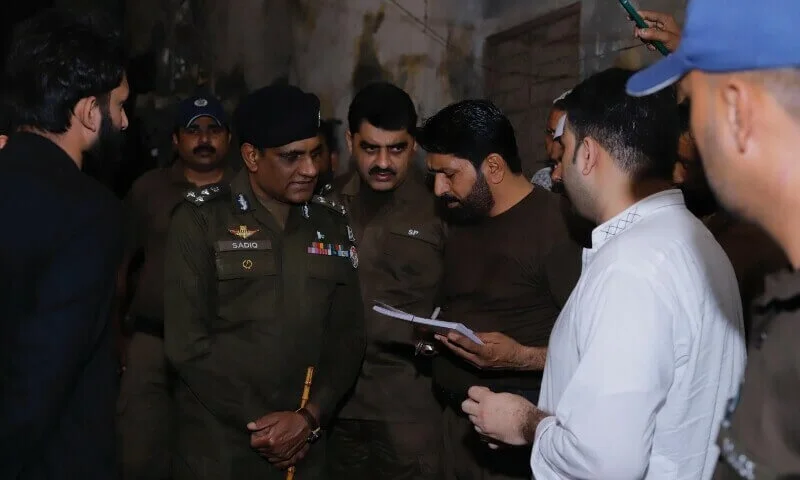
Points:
(12, 16)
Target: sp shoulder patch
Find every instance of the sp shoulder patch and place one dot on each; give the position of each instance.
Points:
(330, 204)
(200, 196)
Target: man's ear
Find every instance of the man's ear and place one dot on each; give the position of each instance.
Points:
(738, 99)
(588, 155)
(3, 141)
(87, 112)
(250, 156)
(494, 168)
(349, 137)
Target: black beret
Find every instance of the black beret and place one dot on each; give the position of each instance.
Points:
(277, 115)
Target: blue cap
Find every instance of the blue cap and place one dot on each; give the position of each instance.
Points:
(198, 106)
(728, 36)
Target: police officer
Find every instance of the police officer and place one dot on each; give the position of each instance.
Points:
(390, 428)
(261, 284)
(145, 406)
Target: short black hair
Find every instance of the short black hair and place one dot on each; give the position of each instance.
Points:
(383, 105)
(684, 116)
(55, 59)
(327, 128)
(639, 132)
(472, 130)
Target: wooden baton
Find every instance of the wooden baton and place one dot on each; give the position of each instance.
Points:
(303, 401)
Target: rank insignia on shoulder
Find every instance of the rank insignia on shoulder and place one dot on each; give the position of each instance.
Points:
(331, 204)
(243, 232)
(202, 195)
(241, 200)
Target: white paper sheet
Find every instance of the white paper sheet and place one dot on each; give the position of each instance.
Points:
(437, 326)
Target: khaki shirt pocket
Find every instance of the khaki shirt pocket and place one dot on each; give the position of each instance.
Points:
(413, 251)
(247, 283)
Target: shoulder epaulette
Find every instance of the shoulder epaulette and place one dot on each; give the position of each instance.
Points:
(200, 196)
(329, 203)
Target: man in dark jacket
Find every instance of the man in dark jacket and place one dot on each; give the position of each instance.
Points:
(66, 85)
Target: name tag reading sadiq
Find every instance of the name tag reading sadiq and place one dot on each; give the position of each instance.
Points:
(234, 245)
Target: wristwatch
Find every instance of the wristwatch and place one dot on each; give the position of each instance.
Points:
(425, 349)
(312, 424)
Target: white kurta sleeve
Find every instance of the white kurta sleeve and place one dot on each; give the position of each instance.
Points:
(604, 423)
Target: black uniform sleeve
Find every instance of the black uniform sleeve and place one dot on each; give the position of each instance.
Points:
(190, 298)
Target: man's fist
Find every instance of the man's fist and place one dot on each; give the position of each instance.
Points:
(280, 437)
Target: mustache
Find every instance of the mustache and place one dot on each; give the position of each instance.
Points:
(381, 171)
(204, 149)
(447, 198)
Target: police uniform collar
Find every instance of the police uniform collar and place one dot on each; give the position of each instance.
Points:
(176, 173)
(413, 187)
(242, 195)
(351, 184)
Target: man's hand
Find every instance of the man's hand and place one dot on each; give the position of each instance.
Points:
(663, 28)
(507, 418)
(280, 437)
(498, 351)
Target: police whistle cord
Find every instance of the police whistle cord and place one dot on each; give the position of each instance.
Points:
(303, 401)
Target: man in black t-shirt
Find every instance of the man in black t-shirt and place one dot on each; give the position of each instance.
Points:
(509, 265)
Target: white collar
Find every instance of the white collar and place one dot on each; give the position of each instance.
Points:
(633, 214)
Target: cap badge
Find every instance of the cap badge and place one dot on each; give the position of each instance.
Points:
(201, 102)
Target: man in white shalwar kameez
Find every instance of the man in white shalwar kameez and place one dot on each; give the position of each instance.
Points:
(649, 347)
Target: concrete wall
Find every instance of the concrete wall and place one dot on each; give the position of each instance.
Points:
(330, 47)
(606, 33)
(426, 47)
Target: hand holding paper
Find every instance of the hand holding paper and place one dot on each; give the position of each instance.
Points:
(438, 326)
(496, 351)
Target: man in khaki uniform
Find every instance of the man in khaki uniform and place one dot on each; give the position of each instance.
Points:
(145, 410)
(390, 426)
(740, 67)
(261, 284)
